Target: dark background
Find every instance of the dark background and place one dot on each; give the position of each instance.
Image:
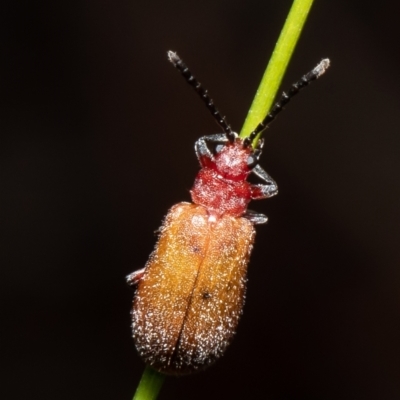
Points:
(97, 133)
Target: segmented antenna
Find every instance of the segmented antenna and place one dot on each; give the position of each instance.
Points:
(286, 97)
(203, 93)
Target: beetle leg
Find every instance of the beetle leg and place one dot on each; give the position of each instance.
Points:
(255, 218)
(263, 191)
(203, 153)
(134, 278)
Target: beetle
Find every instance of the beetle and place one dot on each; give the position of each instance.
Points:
(190, 294)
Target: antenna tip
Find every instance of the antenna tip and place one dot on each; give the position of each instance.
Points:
(173, 57)
(322, 67)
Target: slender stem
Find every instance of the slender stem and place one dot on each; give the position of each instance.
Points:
(151, 382)
(277, 66)
(149, 385)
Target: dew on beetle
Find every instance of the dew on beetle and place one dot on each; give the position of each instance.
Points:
(190, 294)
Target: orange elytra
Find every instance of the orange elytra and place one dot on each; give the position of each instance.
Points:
(190, 294)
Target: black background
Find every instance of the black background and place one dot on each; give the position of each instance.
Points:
(97, 133)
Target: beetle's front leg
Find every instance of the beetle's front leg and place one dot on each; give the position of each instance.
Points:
(263, 191)
(203, 153)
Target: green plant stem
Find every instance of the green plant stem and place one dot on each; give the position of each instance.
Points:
(151, 382)
(277, 66)
(149, 385)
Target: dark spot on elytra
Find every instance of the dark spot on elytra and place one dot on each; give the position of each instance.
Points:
(206, 295)
(196, 249)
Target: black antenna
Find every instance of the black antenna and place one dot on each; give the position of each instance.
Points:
(286, 97)
(197, 86)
